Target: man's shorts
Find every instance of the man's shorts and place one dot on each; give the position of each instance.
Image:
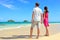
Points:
(36, 23)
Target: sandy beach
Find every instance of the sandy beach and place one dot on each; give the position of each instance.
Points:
(22, 33)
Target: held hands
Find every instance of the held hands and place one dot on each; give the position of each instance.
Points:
(32, 20)
(41, 22)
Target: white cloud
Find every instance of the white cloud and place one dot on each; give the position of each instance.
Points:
(7, 3)
(8, 6)
(24, 1)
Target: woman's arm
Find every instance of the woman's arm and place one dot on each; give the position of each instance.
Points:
(44, 15)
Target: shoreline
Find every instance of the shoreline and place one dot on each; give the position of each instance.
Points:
(14, 27)
(24, 26)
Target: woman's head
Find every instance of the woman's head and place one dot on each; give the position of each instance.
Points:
(46, 9)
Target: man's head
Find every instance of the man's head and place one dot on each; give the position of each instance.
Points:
(37, 4)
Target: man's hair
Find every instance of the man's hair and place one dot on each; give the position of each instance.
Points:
(37, 4)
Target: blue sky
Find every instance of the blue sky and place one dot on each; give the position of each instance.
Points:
(20, 10)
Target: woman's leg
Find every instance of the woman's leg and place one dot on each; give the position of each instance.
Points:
(47, 32)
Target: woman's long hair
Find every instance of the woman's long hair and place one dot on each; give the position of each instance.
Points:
(46, 9)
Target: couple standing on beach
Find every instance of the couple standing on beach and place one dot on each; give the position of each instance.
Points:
(38, 17)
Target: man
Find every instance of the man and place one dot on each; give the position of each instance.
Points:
(36, 19)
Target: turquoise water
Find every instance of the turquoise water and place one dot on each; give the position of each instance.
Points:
(13, 24)
(16, 24)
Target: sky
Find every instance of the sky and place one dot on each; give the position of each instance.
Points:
(20, 10)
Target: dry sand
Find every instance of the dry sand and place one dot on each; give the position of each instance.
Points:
(22, 33)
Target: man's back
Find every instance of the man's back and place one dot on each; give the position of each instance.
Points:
(37, 14)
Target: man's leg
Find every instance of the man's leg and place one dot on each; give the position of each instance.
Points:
(31, 30)
(38, 31)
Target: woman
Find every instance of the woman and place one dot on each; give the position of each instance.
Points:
(45, 20)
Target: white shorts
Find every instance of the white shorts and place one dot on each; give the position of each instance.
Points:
(35, 23)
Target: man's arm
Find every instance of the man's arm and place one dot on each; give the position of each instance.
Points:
(32, 16)
(41, 18)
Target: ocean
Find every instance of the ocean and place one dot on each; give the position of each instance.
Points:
(15, 24)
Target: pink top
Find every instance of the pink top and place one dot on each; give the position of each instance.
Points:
(46, 15)
(45, 19)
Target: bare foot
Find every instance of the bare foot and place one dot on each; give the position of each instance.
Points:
(30, 37)
(37, 37)
(46, 35)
